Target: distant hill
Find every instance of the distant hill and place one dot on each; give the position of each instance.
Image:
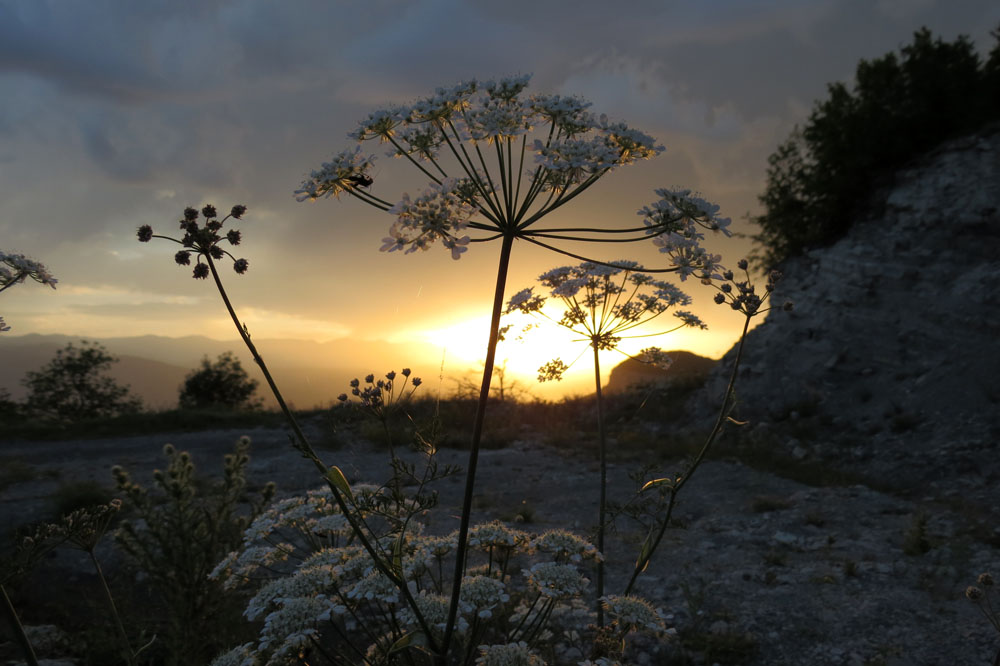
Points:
(631, 372)
(308, 373)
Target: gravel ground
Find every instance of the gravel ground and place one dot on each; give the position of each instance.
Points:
(780, 572)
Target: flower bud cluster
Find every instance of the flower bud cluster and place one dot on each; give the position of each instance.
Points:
(383, 395)
(203, 239)
(741, 294)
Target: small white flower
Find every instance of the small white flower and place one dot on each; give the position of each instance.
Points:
(633, 613)
(556, 580)
(511, 654)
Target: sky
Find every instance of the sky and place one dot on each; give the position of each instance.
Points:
(122, 113)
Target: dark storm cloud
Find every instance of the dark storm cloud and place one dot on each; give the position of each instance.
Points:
(118, 113)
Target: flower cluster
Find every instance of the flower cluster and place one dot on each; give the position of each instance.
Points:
(632, 613)
(204, 240)
(15, 269)
(741, 295)
(603, 302)
(510, 654)
(381, 396)
(979, 594)
(314, 588)
(571, 148)
(438, 213)
(347, 170)
(677, 222)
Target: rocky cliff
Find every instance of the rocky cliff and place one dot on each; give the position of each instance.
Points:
(889, 364)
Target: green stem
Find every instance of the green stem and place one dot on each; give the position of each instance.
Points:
(122, 636)
(18, 628)
(477, 433)
(602, 506)
(727, 399)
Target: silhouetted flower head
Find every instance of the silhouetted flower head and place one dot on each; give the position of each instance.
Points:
(203, 241)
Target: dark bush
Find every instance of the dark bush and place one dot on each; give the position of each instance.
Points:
(219, 384)
(823, 176)
(73, 387)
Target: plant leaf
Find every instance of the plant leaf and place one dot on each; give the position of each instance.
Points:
(337, 478)
(645, 553)
(415, 639)
(655, 483)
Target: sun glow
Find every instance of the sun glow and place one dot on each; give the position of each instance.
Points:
(529, 343)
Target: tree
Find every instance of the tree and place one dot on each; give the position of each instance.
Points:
(219, 384)
(823, 176)
(74, 387)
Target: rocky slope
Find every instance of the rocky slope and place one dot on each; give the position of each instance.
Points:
(889, 363)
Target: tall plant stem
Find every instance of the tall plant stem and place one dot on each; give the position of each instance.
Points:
(122, 636)
(727, 400)
(602, 507)
(477, 433)
(305, 448)
(18, 629)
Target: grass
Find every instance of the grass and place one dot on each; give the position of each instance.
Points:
(14, 471)
(143, 423)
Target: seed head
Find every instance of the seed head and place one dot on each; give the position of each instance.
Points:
(720, 299)
(216, 252)
(241, 266)
(973, 593)
(209, 211)
(201, 271)
(190, 214)
(183, 258)
(233, 236)
(145, 233)
(742, 264)
(985, 579)
(238, 211)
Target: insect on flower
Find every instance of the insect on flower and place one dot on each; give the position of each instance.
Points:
(360, 180)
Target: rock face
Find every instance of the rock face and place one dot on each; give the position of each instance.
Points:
(890, 362)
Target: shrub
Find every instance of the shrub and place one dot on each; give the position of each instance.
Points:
(177, 536)
(219, 384)
(822, 176)
(73, 386)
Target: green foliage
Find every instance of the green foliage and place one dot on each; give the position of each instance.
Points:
(177, 536)
(73, 387)
(219, 384)
(825, 173)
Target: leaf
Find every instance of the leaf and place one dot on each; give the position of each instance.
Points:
(655, 483)
(415, 639)
(645, 553)
(339, 481)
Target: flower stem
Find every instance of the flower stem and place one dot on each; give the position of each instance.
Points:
(18, 629)
(727, 400)
(477, 433)
(125, 647)
(306, 450)
(602, 506)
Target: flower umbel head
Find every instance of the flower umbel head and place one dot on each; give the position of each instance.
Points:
(453, 135)
(203, 240)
